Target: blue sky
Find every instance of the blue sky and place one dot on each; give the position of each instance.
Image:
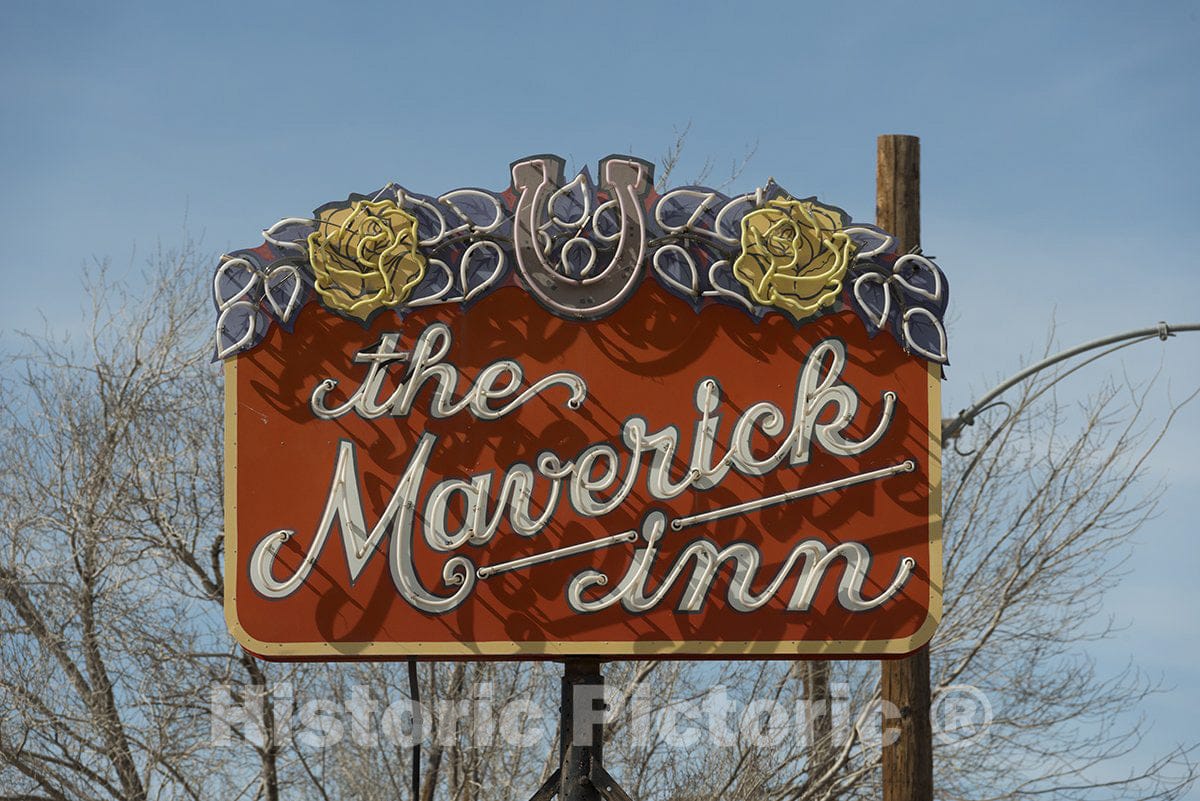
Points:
(1059, 172)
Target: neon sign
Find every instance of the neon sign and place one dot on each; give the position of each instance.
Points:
(570, 419)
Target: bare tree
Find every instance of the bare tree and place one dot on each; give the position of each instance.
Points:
(111, 563)
(89, 710)
(670, 159)
(1041, 507)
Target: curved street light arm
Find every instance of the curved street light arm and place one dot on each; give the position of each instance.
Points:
(952, 428)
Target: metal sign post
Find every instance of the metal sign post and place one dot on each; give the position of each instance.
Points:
(581, 775)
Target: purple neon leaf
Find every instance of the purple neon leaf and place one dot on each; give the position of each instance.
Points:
(572, 202)
(575, 255)
(287, 289)
(679, 206)
(436, 284)
(233, 278)
(481, 269)
(921, 282)
(730, 290)
(240, 327)
(677, 274)
(476, 207)
(925, 334)
(731, 222)
(428, 224)
(608, 221)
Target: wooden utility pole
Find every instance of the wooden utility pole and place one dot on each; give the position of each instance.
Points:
(907, 762)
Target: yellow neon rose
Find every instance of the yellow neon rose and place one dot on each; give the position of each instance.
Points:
(794, 255)
(365, 257)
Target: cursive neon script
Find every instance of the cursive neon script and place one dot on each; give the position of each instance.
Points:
(595, 482)
(425, 364)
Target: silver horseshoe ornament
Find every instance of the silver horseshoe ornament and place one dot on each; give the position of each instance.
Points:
(627, 181)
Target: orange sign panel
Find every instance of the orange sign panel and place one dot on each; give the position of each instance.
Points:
(501, 482)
